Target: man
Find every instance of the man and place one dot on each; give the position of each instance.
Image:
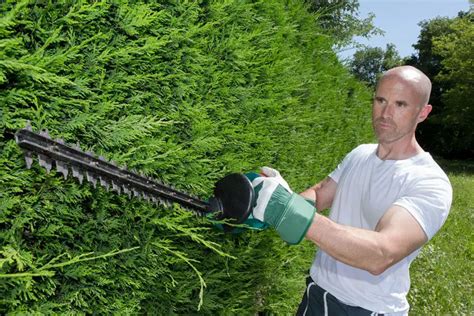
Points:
(386, 201)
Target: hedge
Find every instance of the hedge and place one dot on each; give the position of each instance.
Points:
(183, 91)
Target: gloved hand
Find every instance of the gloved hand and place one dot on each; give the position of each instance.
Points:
(270, 172)
(278, 206)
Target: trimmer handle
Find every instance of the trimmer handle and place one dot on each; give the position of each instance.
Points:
(233, 198)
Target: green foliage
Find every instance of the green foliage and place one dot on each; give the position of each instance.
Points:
(443, 272)
(456, 49)
(340, 19)
(370, 62)
(182, 91)
(445, 54)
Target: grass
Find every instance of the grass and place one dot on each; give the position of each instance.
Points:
(443, 274)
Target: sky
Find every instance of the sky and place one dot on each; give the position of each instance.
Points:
(399, 19)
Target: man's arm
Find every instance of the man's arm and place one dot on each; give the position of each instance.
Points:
(396, 235)
(323, 193)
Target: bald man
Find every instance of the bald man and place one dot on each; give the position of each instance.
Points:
(386, 200)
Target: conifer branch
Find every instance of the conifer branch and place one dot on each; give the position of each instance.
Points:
(45, 270)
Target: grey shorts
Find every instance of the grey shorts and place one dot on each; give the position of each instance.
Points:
(317, 301)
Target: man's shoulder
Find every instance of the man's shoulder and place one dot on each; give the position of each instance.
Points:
(425, 164)
(427, 167)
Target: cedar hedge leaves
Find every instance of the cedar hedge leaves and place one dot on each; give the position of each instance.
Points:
(182, 91)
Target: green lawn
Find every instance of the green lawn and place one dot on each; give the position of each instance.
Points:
(442, 275)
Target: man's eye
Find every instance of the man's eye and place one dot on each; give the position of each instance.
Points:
(380, 100)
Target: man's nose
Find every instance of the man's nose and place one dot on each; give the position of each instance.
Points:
(387, 110)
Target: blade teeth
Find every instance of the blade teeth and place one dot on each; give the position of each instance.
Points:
(29, 159)
(119, 186)
(62, 168)
(126, 190)
(116, 187)
(45, 162)
(45, 133)
(104, 183)
(91, 178)
(166, 203)
(76, 173)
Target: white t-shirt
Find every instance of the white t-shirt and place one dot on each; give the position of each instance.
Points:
(366, 187)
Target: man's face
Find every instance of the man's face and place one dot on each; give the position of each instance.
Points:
(396, 110)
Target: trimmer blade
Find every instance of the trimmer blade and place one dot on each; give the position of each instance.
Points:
(91, 178)
(62, 168)
(126, 190)
(116, 187)
(70, 159)
(28, 159)
(103, 182)
(76, 173)
(45, 162)
(45, 133)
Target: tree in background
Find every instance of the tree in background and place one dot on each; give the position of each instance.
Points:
(457, 73)
(445, 49)
(370, 62)
(340, 18)
(426, 59)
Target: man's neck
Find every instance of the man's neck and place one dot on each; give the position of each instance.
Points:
(399, 150)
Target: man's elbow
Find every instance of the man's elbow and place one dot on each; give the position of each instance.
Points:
(384, 260)
(378, 269)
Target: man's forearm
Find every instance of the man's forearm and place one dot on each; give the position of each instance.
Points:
(356, 247)
(321, 193)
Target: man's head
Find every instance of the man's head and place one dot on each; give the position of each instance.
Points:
(412, 76)
(400, 103)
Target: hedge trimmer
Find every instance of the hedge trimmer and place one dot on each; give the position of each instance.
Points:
(233, 194)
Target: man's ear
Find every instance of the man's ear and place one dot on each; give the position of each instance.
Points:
(424, 112)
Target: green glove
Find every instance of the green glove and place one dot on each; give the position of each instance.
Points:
(289, 213)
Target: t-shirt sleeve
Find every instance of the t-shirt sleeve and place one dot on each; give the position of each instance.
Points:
(428, 200)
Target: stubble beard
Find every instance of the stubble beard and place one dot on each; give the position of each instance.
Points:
(390, 134)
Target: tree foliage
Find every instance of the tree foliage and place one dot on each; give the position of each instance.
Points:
(444, 53)
(369, 63)
(456, 49)
(426, 59)
(185, 92)
(341, 20)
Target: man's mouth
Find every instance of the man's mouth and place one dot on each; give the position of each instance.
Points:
(384, 124)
